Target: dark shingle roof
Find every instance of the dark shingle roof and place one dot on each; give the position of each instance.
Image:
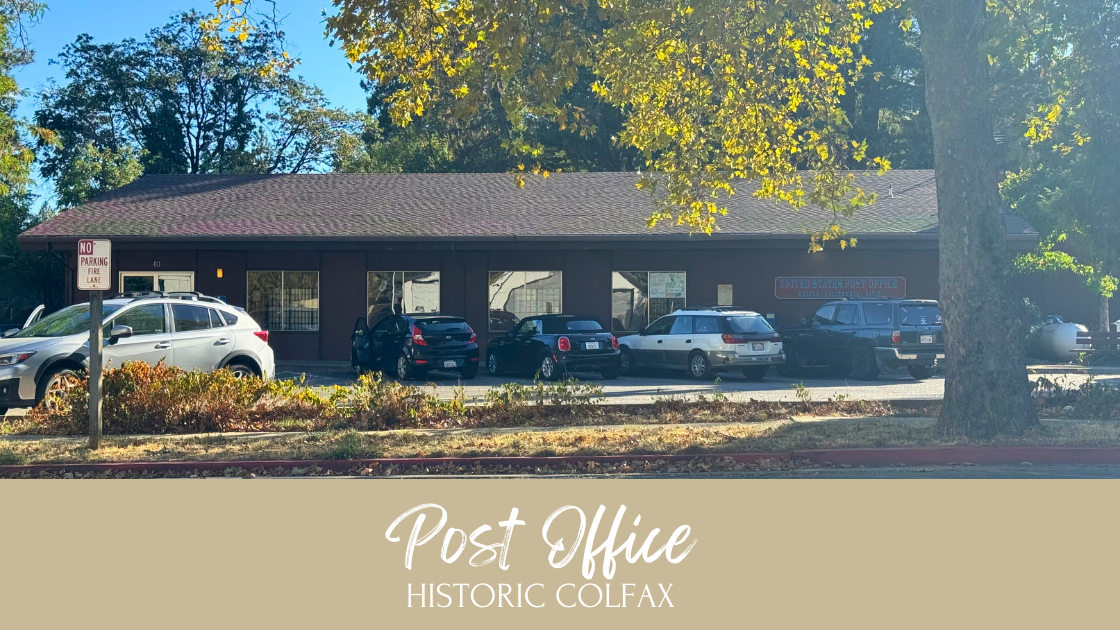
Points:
(455, 205)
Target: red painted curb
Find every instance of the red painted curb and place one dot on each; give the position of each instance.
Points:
(961, 455)
(343, 465)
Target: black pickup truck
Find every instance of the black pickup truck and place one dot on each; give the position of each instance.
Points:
(865, 336)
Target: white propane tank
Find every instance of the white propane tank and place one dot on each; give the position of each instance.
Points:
(1057, 340)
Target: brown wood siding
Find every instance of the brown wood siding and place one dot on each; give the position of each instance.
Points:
(750, 267)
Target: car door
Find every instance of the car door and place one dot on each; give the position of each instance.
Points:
(378, 338)
(845, 327)
(528, 345)
(151, 340)
(399, 329)
(197, 345)
(679, 342)
(650, 346)
(812, 341)
(359, 343)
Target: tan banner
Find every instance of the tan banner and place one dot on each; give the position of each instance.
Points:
(792, 554)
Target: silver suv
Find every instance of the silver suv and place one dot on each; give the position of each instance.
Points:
(704, 341)
(190, 330)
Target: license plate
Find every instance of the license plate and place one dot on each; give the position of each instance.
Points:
(591, 345)
(757, 347)
(926, 339)
(448, 364)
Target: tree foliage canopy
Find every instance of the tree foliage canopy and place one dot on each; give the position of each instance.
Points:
(711, 92)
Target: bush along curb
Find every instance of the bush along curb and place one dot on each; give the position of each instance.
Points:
(949, 455)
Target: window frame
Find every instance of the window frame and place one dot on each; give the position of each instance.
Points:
(283, 307)
(559, 276)
(649, 320)
(836, 316)
(187, 305)
(168, 321)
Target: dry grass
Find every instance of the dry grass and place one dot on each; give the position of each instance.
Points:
(727, 437)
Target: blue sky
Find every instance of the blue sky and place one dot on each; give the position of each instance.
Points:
(114, 20)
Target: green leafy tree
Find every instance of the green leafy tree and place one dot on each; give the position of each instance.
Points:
(177, 104)
(30, 278)
(1066, 116)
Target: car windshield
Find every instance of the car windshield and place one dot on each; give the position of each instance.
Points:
(920, 315)
(750, 324)
(71, 320)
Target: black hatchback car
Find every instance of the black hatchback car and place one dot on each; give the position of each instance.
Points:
(410, 345)
(550, 345)
(865, 336)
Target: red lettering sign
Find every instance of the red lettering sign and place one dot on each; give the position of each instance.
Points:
(836, 288)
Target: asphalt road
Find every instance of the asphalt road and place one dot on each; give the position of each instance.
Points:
(894, 385)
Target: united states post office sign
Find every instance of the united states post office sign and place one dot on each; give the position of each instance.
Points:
(833, 288)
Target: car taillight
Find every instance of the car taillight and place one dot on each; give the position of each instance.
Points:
(563, 344)
(732, 339)
(262, 335)
(418, 338)
(614, 342)
(474, 337)
(896, 336)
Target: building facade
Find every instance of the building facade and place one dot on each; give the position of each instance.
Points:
(307, 255)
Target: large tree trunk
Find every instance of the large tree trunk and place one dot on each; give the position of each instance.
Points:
(986, 386)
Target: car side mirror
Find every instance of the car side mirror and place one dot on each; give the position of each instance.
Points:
(642, 330)
(119, 332)
(804, 321)
(9, 332)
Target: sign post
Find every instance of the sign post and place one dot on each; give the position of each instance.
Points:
(94, 275)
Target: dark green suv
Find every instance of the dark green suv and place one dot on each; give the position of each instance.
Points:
(866, 336)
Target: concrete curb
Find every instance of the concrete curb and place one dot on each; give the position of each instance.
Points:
(948, 455)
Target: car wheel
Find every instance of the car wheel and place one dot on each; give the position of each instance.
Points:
(791, 366)
(404, 368)
(548, 370)
(699, 366)
(470, 371)
(494, 365)
(241, 369)
(54, 386)
(921, 372)
(756, 373)
(863, 363)
(610, 373)
(627, 365)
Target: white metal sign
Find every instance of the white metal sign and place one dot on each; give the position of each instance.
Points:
(95, 257)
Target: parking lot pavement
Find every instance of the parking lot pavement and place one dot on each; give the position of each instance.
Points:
(648, 388)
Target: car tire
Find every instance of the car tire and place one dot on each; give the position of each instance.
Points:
(242, 369)
(755, 373)
(54, 381)
(791, 366)
(699, 367)
(921, 372)
(470, 371)
(494, 365)
(405, 371)
(548, 370)
(863, 364)
(610, 373)
(627, 364)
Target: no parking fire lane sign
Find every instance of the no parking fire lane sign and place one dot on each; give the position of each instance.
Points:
(94, 263)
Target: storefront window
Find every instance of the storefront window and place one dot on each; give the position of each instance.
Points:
(389, 292)
(518, 294)
(284, 300)
(640, 297)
